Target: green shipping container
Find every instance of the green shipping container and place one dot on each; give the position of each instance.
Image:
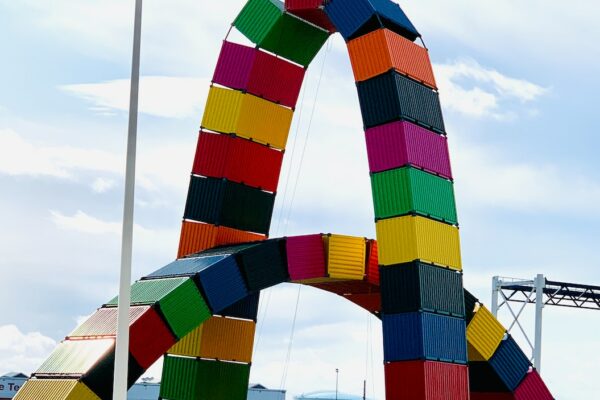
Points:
(178, 299)
(195, 379)
(409, 190)
(266, 23)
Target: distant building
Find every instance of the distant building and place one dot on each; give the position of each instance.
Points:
(259, 392)
(10, 384)
(327, 395)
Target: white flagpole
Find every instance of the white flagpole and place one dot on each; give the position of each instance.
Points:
(122, 348)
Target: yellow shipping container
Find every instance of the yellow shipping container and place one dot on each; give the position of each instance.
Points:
(219, 338)
(346, 257)
(484, 335)
(248, 116)
(55, 389)
(409, 238)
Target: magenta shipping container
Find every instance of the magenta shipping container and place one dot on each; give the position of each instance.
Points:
(533, 388)
(259, 73)
(400, 143)
(306, 257)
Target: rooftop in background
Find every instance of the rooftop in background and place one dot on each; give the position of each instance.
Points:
(328, 395)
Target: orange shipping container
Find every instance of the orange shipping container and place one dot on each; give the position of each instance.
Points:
(382, 50)
(197, 237)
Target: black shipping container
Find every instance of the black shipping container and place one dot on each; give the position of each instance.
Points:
(392, 96)
(417, 286)
(246, 308)
(510, 363)
(470, 303)
(264, 265)
(100, 378)
(222, 202)
(483, 378)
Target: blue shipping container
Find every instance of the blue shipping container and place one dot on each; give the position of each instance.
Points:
(247, 308)
(353, 18)
(510, 363)
(417, 336)
(185, 267)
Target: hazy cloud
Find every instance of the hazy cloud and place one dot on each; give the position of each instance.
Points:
(21, 351)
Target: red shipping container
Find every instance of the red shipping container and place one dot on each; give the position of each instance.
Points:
(400, 143)
(238, 160)
(259, 73)
(303, 4)
(492, 396)
(533, 388)
(343, 288)
(426, 380)
(306, 257)
(370, 302)
(372, 263)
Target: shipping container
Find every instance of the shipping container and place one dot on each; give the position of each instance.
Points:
(410, 238)
(484, 379)
(178, 300)
(471, 302)
(417, 336)
(189, 266)
(303, 4)
(219, 338)
(55, 389)
(346, 287)
(379, 51)
(306, 257)
(510, 363)
(372, 263)
(264, 265)
(353, 18)
(257, 19)
(368, 301)
(238, 160)
(259, 73)
(417, 286)
(222, 284)
(426, 380)
(403, 143)
(408, 190)
(149, 335)
(248, 116)
(492, 396)
(246, 308)
(533, 388)
(484, 334)
(222, 202)
(346, 257)
(75, 358)
(392, 96)
(192, 379)
(315, 16)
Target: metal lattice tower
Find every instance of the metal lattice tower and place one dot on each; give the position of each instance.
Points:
(541, 292)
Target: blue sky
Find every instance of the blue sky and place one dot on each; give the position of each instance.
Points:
(519, 89)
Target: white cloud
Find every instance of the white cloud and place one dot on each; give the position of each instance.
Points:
(498, 91)
(82, 222)
(22, 352)
(162, 96)
(102, 185)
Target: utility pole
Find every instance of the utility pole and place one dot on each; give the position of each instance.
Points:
(122, 345)
(337, 373)
(365, 389)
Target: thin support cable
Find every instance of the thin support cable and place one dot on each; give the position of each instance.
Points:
(291, 341)
(261, 319)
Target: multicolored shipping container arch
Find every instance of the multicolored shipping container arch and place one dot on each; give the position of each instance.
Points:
(200, 311)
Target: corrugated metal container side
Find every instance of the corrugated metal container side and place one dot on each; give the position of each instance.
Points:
(484, 335)
(222, 284)
(264, 122)
(302, 4)
(426, 380)
(401, 143)
(379, 51)
(417, 286)
(189, 345)
(205, 199)
(346, 257)
(257, 18)
(392, 96)
(234, 65)
(483, 378)
(346, 287)
(510, 363)
(150, 338)
(492, 396)
(104, 322)
(315, 16)
(369, 301)
(185, 267)
(54, 389)
(295, 39)
(246, 308)
(227, 236)
(246, 208)
(533, 388)
(100, 378)
(355, 17)
(276, 80)
(190, 379)
(222, 110)
(405, 239)
(265, 265)
(470, 305)
(75, 358)
(409, 190)
(305, 257)
(372, 263)
(149, 292)
(412, 336)
(196, 237)
(227, 339)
